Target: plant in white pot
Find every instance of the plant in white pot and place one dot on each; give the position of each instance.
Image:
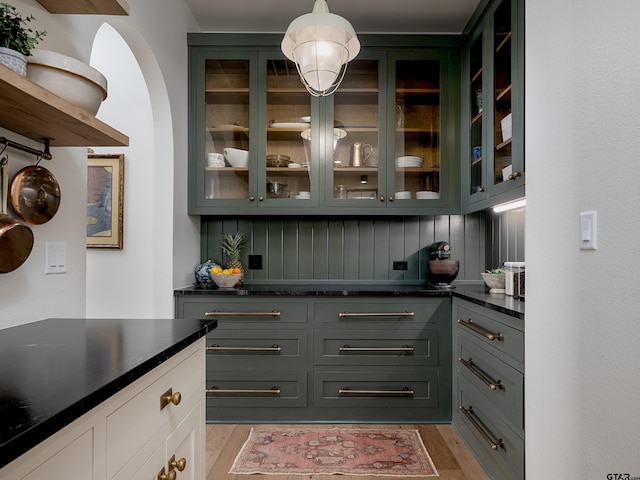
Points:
(16, 39)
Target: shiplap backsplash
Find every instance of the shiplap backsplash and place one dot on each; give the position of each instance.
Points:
(351, 250)
(505, 241)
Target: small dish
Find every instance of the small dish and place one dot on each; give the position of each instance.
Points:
(294, 165)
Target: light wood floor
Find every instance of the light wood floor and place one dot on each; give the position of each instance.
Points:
(449, 454)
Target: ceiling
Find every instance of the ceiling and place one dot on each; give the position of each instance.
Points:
(366, 16)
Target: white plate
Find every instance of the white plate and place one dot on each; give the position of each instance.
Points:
(296, 125)
(294, 165)
(410, 157)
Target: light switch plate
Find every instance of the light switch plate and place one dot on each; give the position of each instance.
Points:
(55, 258)
(588, 230)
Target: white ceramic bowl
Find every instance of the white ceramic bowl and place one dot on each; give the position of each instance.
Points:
(226, 280)
(74, 81)
(495, 281)
(237, 158)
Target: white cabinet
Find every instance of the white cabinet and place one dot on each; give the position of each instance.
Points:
(74, 460)
(130, 436)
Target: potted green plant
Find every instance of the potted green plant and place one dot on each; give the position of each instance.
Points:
(16, 39)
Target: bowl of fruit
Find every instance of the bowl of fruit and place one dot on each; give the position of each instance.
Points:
(226, 277)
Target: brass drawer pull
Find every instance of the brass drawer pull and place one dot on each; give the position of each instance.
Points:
(220, 391)
(169, 397)
(218, 348)
(163, 475)
(179, 465)
(383, 314)
(494, 444)
(492, 384)
(482, 331)
(402, 349)
(406, 391)
(215, 313)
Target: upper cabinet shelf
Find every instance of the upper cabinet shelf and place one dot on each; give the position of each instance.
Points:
(36, 113)
(87, 7)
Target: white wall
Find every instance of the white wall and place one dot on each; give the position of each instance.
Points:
(157, 38)
(582, 326)
(119, 283)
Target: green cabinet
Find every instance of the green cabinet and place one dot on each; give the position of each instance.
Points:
(384, 141)
(493, 164)
(309, 358)
(489, 387)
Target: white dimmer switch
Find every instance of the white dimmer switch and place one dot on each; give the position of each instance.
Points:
(55, 258)
(588, 230)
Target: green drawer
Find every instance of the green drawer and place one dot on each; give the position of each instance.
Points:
(255, 348)
(484, 371)
(392, 313)
(389, 389)
(256, 389)
(230, 312)
(506, 461)
(493, 329)
(376, 347)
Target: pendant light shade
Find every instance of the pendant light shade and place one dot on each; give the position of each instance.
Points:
(321, 44)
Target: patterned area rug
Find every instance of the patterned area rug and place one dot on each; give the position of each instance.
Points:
(292, 451)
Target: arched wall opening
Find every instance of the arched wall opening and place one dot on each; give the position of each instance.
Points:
(137, 280)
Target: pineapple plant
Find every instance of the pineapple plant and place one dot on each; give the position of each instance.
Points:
(232, 246)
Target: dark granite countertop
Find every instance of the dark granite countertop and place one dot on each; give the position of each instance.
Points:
(499, 302)
(478, 294)
(318, 289)
(53, 371)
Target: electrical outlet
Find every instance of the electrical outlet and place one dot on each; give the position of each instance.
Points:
(255, 262)
(399, 265)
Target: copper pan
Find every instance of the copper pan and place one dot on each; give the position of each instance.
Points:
(16, 238)
(35, 194)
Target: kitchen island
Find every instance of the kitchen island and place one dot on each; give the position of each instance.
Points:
(77, 388)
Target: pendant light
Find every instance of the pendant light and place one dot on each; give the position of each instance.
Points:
(320, 44)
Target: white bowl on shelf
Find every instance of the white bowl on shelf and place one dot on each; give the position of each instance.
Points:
(72, 80)
(237, 158)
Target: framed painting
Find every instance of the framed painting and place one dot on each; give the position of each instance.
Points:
(105, 201)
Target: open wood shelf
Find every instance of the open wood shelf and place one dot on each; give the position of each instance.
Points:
(34, 112)
(89, 7)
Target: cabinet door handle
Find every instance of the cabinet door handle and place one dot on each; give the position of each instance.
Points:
(260, 198)
(402, 349)
(492, 384)
(382, 198)
(163, 475)
(391, 198)
(215, 313)
(346, 391)
(174, 464)
(491, 336)
(494, 444)
(252, 198)
(514, 175)
(221, 391)
(370, 314)
(217, 348)
(169, 397)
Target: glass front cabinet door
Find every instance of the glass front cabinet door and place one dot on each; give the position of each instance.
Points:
(250, 118)
(493, 148)
(386, 141)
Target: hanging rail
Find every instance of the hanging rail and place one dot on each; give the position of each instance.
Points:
(46, 154)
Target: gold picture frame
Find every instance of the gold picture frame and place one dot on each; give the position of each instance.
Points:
(105, 201)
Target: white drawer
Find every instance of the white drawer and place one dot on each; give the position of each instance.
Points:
(136, 421)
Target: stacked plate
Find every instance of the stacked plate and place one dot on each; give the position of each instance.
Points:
(427, 195)
(406, 195)
(408, 161)
(303, 195)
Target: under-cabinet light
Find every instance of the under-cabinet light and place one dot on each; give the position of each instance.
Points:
(521, 202)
